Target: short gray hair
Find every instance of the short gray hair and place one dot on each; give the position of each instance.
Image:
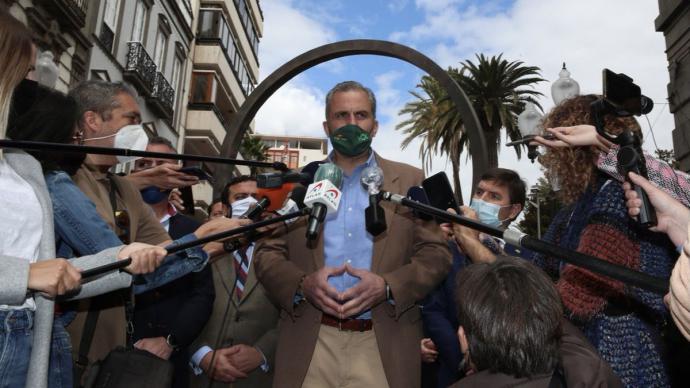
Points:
(99, 96)
(346, 86)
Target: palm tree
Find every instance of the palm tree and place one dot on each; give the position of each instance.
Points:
(253, 148)
(498, 90)
(434, 120)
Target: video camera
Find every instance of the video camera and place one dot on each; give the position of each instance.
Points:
(622, 98)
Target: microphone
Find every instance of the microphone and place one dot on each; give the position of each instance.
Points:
(255, 212)
(372, 180)
(323, 196)
(295, 202)
(277, 195)
(272, 180)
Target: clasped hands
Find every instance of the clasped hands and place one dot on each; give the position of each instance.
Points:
(370, 291)
(231, 363)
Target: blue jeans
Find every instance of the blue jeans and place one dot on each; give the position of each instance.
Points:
(60, 370)
(80, 230)
(15, 346)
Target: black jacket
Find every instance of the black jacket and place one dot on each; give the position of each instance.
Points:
(181, 307)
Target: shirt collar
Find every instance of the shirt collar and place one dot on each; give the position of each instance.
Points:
(371, 160)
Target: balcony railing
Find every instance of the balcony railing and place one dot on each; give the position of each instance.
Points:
(140, 69)
(163, 96)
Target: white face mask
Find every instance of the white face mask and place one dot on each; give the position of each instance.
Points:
(132, 137)
(241, 206)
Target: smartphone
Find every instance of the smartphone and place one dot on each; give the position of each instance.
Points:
(440, 192)
(197, 172)
(622, 93)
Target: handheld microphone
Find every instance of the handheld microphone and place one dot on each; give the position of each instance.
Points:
(255, 212)
(295, 202)
(272, 180)
(372, 180)
(323, 196)
(277, 195)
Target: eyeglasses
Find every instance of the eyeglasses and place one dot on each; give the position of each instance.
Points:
(123, 224)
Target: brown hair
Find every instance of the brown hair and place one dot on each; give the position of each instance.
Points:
(15, 61)
(575, 167)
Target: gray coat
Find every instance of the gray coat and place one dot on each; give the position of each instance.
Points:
(14, 275)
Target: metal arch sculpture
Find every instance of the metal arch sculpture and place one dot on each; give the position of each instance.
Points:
(330, 51)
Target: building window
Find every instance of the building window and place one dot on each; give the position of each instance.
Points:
(203, 88)
(214, 27)
(110, 16)
(140, 13)
(176, 74)
(161, 48)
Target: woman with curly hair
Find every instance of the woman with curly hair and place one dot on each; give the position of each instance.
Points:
(624, 323)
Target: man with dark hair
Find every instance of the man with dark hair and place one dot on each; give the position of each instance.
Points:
(497, 201)
(168, 319)
(512, 331)
(243, 317)
(216, 209)
(349, 299)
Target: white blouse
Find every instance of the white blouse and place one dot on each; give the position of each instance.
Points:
(21, 221)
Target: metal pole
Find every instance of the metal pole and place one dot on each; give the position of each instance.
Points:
(538, 218)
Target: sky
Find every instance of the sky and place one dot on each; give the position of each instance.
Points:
(588, 35)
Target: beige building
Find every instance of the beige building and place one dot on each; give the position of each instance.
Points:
(225, 69)
(294, 151)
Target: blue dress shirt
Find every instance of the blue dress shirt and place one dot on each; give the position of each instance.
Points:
(346, 240)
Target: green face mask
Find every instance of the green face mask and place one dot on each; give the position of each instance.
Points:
(351, 140)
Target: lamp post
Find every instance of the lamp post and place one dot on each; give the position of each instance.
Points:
(564, 87)
(529, 126)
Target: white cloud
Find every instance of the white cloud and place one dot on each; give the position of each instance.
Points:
(295, 109)
(588, 34)
(289, 32)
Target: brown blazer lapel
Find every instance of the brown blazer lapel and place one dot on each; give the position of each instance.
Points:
(390, 183)
(226, 268)
(251, 280)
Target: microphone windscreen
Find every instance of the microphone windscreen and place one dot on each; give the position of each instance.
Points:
(331, 172)
(297, 195)
(277, 195)
(310, 171)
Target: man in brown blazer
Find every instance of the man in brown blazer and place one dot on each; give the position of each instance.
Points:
(349, 300)
(246, 322)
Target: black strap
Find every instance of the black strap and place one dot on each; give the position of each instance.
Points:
(82, 360)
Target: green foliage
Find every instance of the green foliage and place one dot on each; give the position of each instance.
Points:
(252, 148)
(549, 206)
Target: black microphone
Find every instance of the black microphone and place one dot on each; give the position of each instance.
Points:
(255, 212)
(271, 180)
(375, 217)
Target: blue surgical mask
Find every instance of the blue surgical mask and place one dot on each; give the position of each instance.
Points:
(153, 195)
(487, 212)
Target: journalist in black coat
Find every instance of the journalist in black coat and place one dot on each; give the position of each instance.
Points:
(177, 311)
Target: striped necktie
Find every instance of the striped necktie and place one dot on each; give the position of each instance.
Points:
(241, 271)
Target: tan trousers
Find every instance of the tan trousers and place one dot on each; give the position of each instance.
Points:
(345, 359)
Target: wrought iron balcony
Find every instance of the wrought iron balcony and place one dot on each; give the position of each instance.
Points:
(163, 96)
(140, 69)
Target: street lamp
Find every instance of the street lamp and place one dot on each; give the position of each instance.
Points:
(529, 126)
(564, 87)
(537, 204)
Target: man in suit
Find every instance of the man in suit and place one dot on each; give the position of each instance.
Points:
(497, 201)
(169, 318)
(349, 299)
(243, 316)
